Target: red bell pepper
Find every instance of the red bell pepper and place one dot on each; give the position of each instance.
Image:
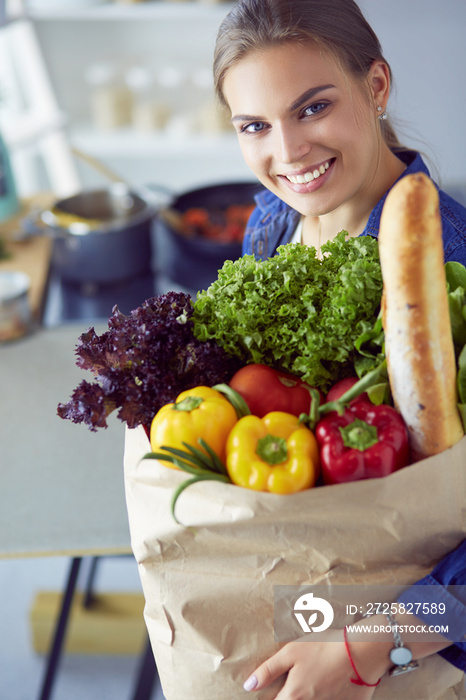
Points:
(266, 390)
(365, 442)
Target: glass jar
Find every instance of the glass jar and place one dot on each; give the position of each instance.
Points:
(9, 203)
(150, 111)
(110, 98)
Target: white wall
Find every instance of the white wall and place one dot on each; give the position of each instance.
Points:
(425, 43)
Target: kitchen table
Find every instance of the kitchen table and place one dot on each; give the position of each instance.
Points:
(61, 486)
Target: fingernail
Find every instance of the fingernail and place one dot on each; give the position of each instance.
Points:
(251, 683)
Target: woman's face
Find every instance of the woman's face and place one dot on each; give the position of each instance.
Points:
(308, 131)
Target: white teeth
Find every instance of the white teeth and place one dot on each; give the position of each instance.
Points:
(308, 177)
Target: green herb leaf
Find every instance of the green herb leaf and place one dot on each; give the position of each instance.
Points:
(170, 453)
(183, 454)
(217, 464)
(456, 286)
(205, 462)
(456, 275)
(379, 393)
(370, 346)
(457, 307)
(192, 460)
(462, 410)
(461, 376)
(190, 468)
(182, 487)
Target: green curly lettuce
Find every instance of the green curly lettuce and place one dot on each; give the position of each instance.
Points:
(294, 311)
(456, 287)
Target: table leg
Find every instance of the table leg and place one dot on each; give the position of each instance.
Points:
(147, 669)
(60, 630)
(146, 676)
(89, 590)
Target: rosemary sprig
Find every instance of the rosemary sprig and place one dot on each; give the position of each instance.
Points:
(201, 466)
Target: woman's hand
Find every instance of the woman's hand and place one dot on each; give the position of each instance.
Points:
(316, 671)
(322, 670)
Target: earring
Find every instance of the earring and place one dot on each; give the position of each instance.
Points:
(384, 114)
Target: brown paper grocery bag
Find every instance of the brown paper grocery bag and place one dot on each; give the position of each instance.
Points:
(209, 585)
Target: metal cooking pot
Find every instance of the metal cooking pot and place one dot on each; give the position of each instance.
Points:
(194, 262)
(101, 236)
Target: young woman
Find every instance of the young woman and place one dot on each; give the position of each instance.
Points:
(308, 88)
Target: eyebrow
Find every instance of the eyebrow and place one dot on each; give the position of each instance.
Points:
(308, 95)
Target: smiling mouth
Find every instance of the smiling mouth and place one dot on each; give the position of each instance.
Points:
(309, 176)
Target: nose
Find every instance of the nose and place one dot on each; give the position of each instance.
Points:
(291, 145)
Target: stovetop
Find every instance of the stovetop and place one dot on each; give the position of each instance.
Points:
(67, 301)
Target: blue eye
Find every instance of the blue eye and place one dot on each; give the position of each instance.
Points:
(315, 108)
(253, 127)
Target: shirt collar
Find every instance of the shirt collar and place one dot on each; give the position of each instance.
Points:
(269, 203)
(414, 164)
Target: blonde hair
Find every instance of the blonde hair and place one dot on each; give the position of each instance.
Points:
(336, 25)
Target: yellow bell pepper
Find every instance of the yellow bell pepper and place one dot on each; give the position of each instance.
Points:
(201, 412)
(275, 453)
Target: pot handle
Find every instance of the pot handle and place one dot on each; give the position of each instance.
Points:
(30, 226)
(160, 198)
(156, 196)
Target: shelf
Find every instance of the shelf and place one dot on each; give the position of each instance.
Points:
(128, 143)
(115, 11)
(75, 34)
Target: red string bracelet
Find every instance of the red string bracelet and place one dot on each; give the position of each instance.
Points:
(358, 680)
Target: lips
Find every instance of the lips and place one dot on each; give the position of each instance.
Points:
(310, 175)
(308, 180)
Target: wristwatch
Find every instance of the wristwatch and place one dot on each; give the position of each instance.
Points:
(400, 656)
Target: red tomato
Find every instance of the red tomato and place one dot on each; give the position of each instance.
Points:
(341, 388)
(265, 389)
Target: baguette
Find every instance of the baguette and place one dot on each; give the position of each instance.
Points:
(415, 315)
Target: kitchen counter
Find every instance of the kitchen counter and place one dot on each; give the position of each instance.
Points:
(32, 255)
(61, 486)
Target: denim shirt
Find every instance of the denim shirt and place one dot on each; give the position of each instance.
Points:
(272, 223)
(450, 571)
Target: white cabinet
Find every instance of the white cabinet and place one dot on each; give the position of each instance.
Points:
(161, 38)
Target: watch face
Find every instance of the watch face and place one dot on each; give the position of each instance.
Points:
(400, 656)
